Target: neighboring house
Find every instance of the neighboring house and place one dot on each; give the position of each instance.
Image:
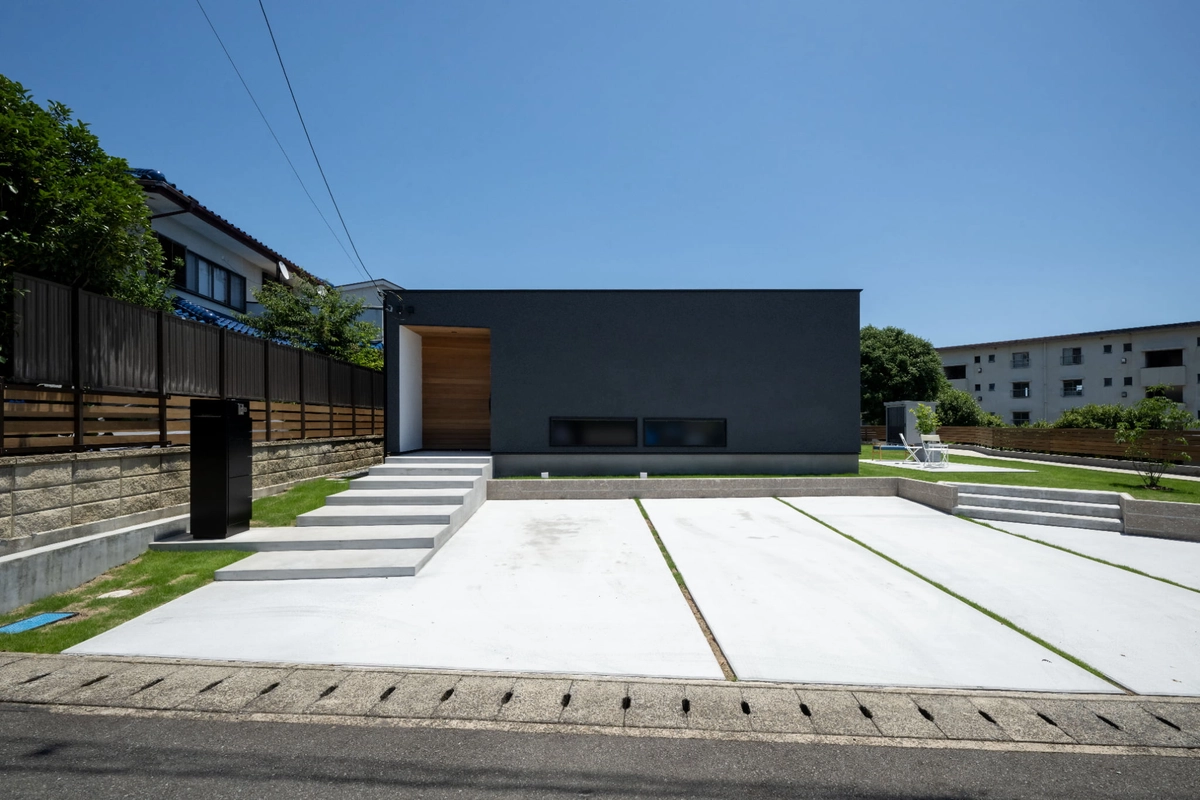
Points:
(371, 293)
(218, 265)
(621, 382)
(1026, 380)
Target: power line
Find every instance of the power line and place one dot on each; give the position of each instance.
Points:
(273, 136)
(310, 144)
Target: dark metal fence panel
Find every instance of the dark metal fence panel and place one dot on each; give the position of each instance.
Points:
(192, 358)
(316, 378)
(118, 345)
(41, 340)
(285, 373)
(341, 390)
(244, 368)
(379, 395)
(364, 395)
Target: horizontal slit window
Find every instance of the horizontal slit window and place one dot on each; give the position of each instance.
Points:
(684, 432)
(592, 432)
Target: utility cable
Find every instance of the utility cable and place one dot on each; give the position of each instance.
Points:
(310, 144)
(273, 136)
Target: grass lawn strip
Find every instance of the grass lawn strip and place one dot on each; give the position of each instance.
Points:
(1002, 620)
(281, 510)
(1041, 475)
(687, 595)
(1134, 570)
(155, 578)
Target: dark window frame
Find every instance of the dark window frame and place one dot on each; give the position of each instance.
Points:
(647, 421)
(632, 444)
(192, 277)
(946, 370)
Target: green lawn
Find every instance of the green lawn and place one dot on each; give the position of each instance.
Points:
(282, 509)
(1044, 474)
(155, 577)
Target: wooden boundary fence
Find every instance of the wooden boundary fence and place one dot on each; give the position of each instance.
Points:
(1091, 442)
(89, 372)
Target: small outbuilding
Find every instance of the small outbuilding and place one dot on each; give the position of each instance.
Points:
(622, 382)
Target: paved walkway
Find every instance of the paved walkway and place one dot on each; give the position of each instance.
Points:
(616, 706)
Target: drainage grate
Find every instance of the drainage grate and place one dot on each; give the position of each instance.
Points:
(745, 707)
(925, 714)
(328, 691)
(866, 712)
(687, 705)
(805, 710)
(1166, 722)
(447, 695)
(386, 694)
(566, 700)
(269, 689)
(988, 717)
(504, 700)
(626, 703)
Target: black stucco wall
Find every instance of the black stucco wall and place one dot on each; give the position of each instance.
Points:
(781, 366)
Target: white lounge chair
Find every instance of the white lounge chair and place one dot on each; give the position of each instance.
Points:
(937, 452)
(912, 451)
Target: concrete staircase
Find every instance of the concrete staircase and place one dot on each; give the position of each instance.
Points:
(1068, 508)
(387, 524)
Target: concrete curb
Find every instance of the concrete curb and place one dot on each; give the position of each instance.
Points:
(615, 705)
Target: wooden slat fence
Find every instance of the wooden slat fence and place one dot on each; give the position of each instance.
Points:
(1063, 441)
(90, 372)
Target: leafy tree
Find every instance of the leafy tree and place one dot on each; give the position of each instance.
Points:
(896, 365)
(956, 407)
(69, 212)
(1102, 417)
(319, 318)
(1153, 435)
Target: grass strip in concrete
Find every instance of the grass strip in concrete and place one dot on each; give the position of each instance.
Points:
(1097, 559)
(687, 595)
(988, 612)
(281, 510)
(152, 579)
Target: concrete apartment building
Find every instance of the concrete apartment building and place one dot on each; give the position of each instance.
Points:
(1026, 380)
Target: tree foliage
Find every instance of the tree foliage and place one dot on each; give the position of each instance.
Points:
(1153, 435)
(896, 365)
(316, 317)
(1092, 415)
(958, 408)
(69, 212)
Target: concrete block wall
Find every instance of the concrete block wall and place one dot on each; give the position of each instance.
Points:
(1160, 519)
(53, 498)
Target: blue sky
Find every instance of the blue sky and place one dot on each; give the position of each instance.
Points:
(982, 170)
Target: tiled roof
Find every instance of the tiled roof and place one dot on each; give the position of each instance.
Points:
(189, 310)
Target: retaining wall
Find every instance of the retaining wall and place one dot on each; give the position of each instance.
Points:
(53, 498)
(1161, 520)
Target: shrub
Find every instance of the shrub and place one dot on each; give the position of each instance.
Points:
(956, 407)
(1104, 417)
(1153, 435)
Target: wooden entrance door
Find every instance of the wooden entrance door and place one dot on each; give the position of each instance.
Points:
(456, 388)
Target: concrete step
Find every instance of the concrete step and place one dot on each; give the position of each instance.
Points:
(317, 537)
(441, 470)
(380, 515)
(1040, 493)
(310, 564)
(435, 458)
(397, 497)
(1031, 504)
(374, 482)
(1040, 518)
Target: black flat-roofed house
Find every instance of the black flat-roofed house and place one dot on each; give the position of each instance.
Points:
(621, 382)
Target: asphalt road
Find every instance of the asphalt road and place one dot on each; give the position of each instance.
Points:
(44, 754)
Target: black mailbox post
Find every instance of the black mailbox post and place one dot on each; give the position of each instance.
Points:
(221, 468)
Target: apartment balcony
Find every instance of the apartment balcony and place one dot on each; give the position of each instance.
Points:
(1076, 392)
(1020, 393)
(1068, 361)
(1171, 376)
(1019, 363)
